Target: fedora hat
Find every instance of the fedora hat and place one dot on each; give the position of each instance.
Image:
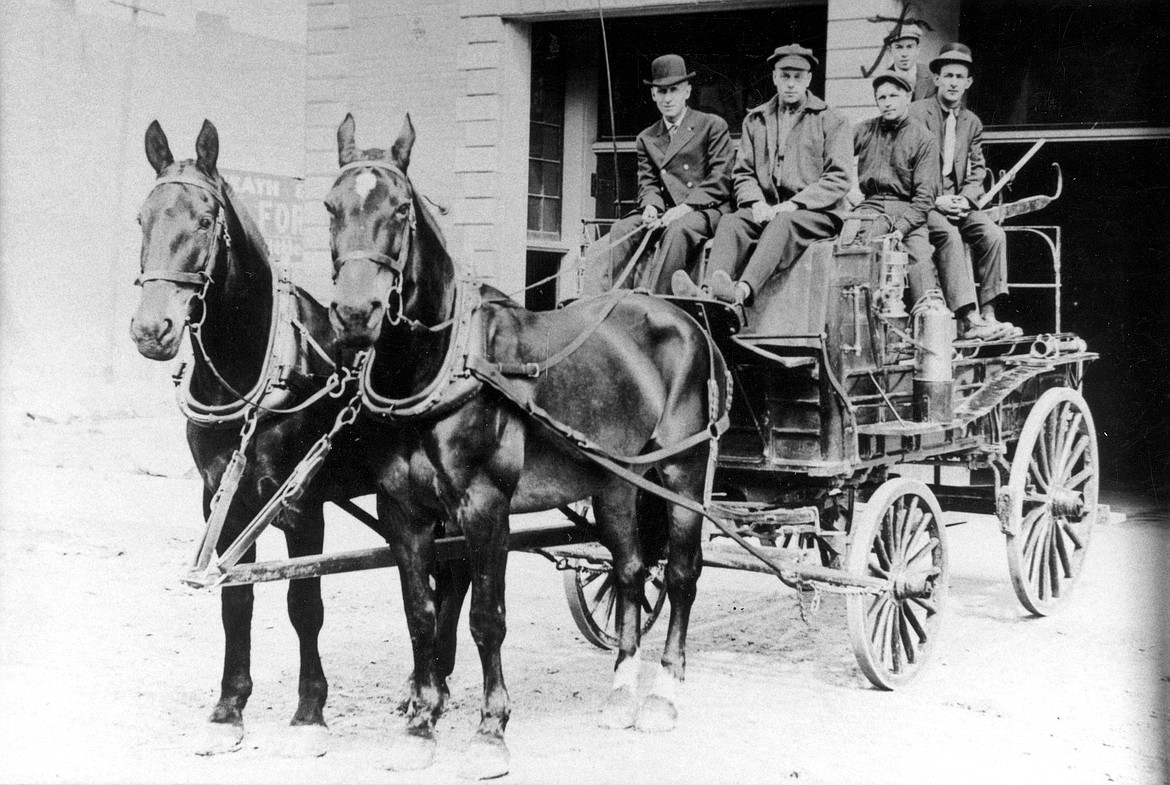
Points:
(792, 55)
(892, 77)
(952, 53)
(668, 70)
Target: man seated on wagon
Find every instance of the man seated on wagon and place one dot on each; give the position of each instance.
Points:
(904, 61)
(897, 173)
(956, 219)
(792, 168)
(684, 186)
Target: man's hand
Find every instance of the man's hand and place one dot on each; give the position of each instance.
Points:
(897, 235)
(676, 212)
(649, 214)
(785, 207)
(951, 205)
(762, 212)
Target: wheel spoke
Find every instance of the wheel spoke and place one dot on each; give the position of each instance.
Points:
(895, 635)
(880, 625)
(1067, 442)
(927, 605)
(907, 639)
(1037, 475)
(1032, 548)
(1042, 456)
(1070, 529)
(897, 524)
(1053, 559)
(875, 568)
(1080, 478)
(927, 547)
(913, 527)
(1062, 549)
(599, 595)
(879, 550)
(1080, 444)
(912, 618)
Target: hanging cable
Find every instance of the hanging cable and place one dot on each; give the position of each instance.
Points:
(617, 194)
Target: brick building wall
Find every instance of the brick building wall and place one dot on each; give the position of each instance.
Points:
(77, 92)
(462, 68)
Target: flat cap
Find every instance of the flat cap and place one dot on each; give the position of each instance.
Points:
(909, 31)
(893, 77)
(952, 53)
(783, 53)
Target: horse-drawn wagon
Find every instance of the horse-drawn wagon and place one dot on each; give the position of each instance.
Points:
(852, 423)
(856, 424)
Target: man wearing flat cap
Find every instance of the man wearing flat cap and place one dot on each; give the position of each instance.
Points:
(684, 187)
(897, 172)
(904, 61)
(791, 169)
(956, 218)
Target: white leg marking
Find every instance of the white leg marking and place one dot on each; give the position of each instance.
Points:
(625, 675)
(666, 685)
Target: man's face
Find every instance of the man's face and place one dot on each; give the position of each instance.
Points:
(952, 80)
(791, 83)
(671, 100)
(905, 53)
(892, 101)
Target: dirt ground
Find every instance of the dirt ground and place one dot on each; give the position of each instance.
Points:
(110, 665)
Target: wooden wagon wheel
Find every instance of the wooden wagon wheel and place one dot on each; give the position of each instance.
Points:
(592, 596)
(1050, 502)
(898, 537)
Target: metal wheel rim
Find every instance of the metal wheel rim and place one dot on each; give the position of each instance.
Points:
(1054, 471)
(899, 537)
(592, 598)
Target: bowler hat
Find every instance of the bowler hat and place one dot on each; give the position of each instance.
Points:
(894, 78)
(909, 31)
(952, 53)
(668, 70)
(783, 53)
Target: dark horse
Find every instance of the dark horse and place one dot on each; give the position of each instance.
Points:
(630, 371)
(204, 262)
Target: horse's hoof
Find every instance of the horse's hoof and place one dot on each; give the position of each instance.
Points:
(657, 715)
(302, 741)
(216, 738)
(411, 752)
(486, 758)
(619, 710)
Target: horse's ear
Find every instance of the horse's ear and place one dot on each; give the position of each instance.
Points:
(158, 151)
(207, 148)
(400, 152)
(346, 149)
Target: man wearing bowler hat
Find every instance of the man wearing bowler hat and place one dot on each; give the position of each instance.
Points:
(897, 172)
(904, 61)
(791, 170)
(955, 219)
(684, 187)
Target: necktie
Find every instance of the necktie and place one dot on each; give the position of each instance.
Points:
(948, 151)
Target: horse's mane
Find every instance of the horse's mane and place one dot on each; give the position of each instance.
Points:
(257, 247)
(426, 220)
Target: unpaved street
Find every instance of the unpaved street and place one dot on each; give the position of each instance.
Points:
(110, 664)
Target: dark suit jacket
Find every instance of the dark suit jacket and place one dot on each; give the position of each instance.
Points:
(970, 168)
(924, 86)
(817, 157)
(694, 168)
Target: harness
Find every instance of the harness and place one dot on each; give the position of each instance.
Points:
(287, 336)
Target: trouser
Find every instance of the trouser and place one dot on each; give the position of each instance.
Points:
(677, 250)
(988, 244)
(920, 272)
(751, 252)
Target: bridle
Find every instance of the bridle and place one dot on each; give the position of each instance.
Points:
(201, 278)
(396, 265)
